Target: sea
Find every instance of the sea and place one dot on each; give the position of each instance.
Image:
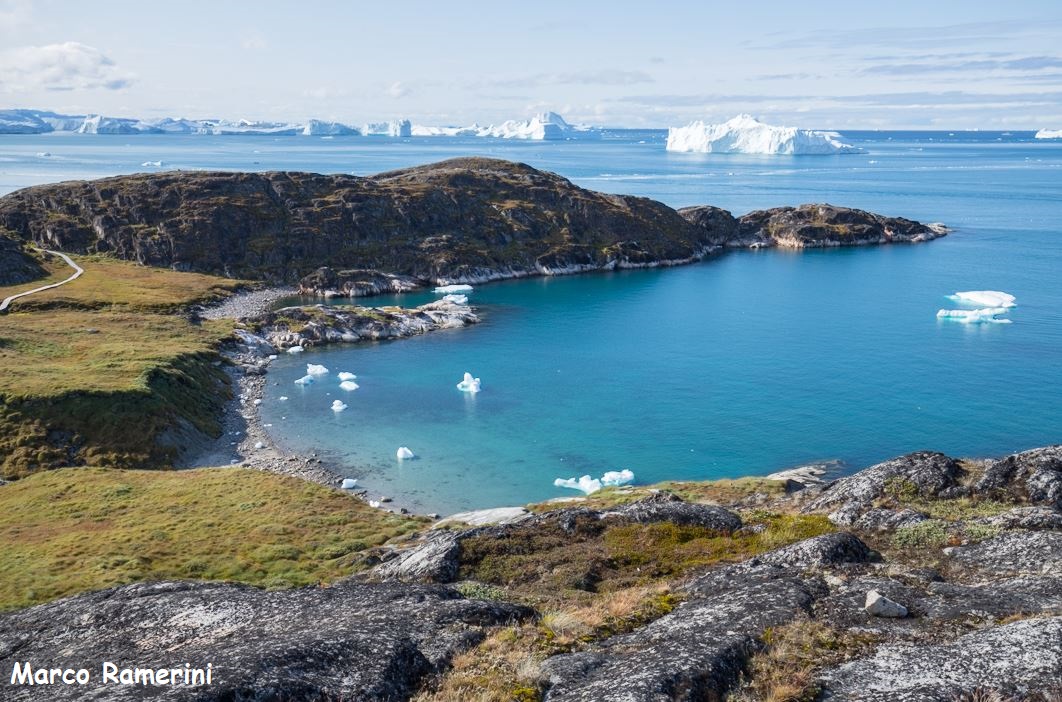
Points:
(744, 364)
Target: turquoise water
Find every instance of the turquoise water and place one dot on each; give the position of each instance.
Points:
(744, 364)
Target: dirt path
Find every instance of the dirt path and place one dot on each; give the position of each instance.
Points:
(78, 270)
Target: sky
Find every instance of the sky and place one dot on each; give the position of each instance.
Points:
(826, 65)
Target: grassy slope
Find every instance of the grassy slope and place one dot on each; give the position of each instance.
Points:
(78, 529)
(106, 364)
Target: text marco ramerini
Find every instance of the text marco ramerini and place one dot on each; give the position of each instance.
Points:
(181, 675)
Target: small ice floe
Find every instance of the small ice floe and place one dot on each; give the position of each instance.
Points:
(349, 484)
(259, 445)
(469, 384)
(985, 298)
(588, 485)
(272, 357)
(338, 406)
(456, 299)
(151, 164)
(315, 369)
(258, 401)
(447, 289)
(404, 453)
(296, 349)
(988, 315)
(305, 380)
(282, 398)
(348, 385)
(343, 375)
(43, 154)
(375, 504)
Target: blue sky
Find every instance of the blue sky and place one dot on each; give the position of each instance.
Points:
(813, 64)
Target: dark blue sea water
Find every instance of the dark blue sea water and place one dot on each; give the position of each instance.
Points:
(744, 364)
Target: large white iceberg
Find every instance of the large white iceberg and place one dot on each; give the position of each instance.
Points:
(589, 485)
(317, 127)
(469, 131)
(986, 298)
(987, 315)
(469, 384)
(447, 289)
(1049, 134)
(394, 128)
(745, 134)
(542, 127)
(315, 369)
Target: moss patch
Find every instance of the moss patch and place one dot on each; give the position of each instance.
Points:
(78, 529)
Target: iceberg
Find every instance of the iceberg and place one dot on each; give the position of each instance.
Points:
(1049, 134)
(745, 134)
(988, 315)
(282, 398)
(986, 298)
(348, 385)
(305, 380)
(617, 477)
(343, 375)
(394, 128)
(470, 131)
(317, 127)
(349, 483)
(456, 299)
(545, 126)
(338, 406)
(295, 349)
(469, 384)
(447, 289)
(151, 164)
(589, 485)
(315, 369)
(403, 453)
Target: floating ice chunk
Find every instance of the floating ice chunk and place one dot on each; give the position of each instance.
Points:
(589, 485)
(152, 164)
(305, 380)
(586, 484)
(257, 401)
(375, 504)
(349, 484)
(457, 299)
(745, 134)
(43, 154)
(338, 406)
(348, 385)
(469, 384)
(986, 298)
(315, 369)
(283, 398)
(447, 289)
(617, 477)
(988, 315)
(343, 375)
(403, 452)
(1049, 134)
(259, 445)
(272, 357)
(295, 349)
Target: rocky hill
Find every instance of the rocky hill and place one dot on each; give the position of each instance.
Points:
(463, 220)
(16, 264)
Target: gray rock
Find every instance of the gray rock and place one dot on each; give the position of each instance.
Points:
(435, 559)
(666, 507)
(1025, 518)
(825, 550)
(1016, 658)
(881, 606)
(930, 472)
(352, 641)
(880, 519)
(1034, 475)
(1034, 552)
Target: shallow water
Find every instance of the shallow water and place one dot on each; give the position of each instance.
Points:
(743, 364)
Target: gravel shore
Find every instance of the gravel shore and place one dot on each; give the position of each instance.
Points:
(247, 304)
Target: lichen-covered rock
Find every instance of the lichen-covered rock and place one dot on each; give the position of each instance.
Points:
(1025, 518)
(667, 507)
(828, 225)
(923, 473)
(881, 519)
(1014, 552)
(436, 558)
(1018, 658)
(825, 550)
(351, 641)
(1035, 476)
(356, 283)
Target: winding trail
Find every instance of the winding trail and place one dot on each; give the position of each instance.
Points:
(78, 270)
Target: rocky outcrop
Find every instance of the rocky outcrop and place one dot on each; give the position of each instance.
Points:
(351, 641)
(1033, 476)
(923, 473)
(1033, 552)
(465, 220)
(827, 225)
(666, 507)
(321, 324)
(16, 264)
(435, 559)
(1016, 659)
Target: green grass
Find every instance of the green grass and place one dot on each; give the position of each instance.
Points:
(78, 529)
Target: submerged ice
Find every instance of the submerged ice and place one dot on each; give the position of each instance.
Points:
(745, 134)
(588, 485)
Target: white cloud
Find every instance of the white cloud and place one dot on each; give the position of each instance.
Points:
(67, 66)
(398, 90)
(253, 42)
(14, 14)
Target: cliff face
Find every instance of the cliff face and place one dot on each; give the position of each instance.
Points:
(463, 220)
(17, 266)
